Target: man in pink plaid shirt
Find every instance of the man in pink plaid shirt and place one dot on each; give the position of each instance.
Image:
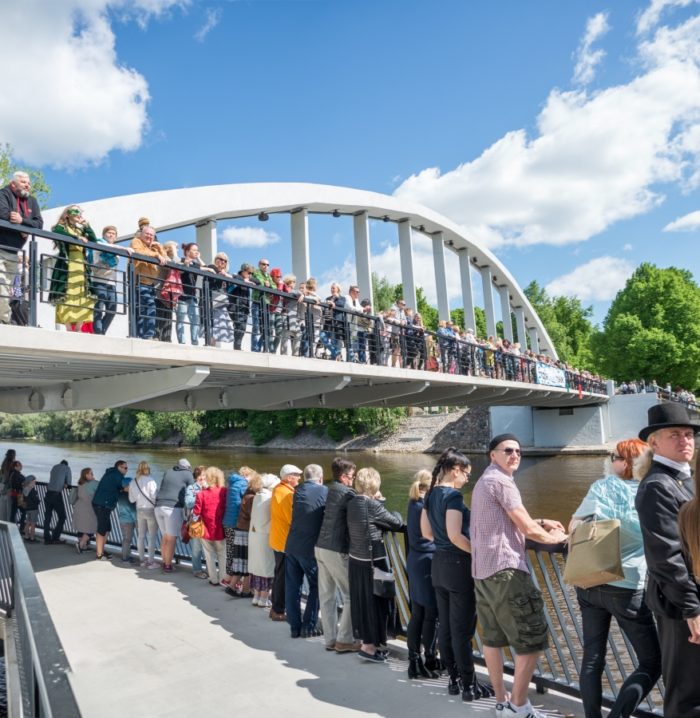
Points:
(509, 607)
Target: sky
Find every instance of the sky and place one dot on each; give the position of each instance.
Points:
(563, 136)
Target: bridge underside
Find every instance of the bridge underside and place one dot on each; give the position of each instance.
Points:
(58, 371)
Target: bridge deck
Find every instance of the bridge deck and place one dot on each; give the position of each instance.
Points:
(144, 644)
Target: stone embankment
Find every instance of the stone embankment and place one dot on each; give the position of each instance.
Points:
(419, 433)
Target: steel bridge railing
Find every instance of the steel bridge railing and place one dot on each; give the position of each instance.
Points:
(224, 310)
(560, 664)
(35, 661)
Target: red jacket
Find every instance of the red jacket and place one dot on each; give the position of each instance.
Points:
(210, 506)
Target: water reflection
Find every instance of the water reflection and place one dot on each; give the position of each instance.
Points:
(551, 487)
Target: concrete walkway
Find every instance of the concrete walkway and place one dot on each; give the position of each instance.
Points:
(144, 644)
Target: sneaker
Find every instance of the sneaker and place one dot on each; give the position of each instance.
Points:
(102, 557)
(128, 559)
(254, 602)
(167, 569)
(267, 603)
(526, 711)
(151, 564)
(347, 647)
(371, 657)
(201, 574)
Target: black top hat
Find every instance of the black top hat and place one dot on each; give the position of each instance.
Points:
(662, 416)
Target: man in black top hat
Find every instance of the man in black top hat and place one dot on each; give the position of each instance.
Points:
(672, 594)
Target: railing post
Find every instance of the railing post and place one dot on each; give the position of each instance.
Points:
(33, 283)
(207, 314)
(132, 306)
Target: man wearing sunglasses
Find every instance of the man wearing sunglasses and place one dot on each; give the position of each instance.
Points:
(509, 607)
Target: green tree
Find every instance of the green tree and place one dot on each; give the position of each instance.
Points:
(384, 293)
(652, 329)
(457, 316)
(8, 166)
(568, 324)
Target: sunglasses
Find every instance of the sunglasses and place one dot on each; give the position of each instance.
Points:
(510, 450)
(616, 457)
(74, 212)
(264, 264)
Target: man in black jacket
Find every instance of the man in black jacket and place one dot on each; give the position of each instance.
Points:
(332, 558)
(672, 594)
(18, 207)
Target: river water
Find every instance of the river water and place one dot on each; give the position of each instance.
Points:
(551, 487)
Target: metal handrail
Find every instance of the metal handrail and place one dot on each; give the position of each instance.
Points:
(560, 664)
(39, 662)
(457, 356)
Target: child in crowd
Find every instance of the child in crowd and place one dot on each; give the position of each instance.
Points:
(30, 497)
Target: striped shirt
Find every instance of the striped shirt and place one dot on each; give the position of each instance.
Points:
(497, 544)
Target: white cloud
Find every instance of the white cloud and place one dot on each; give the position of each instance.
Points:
(597, 157)
(651, 16)
(588, 58)
(75, 102)
(686, 223)
(598, 280)
(212, 19)
(249, 237)
(627, 248)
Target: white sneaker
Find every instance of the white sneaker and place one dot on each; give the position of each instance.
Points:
(526, 711)
(254, 602)
(265, 604)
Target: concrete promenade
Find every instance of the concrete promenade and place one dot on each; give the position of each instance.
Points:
(144, 644)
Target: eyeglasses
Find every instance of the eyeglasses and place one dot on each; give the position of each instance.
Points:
(466, 470)
(264, 264)
(510, 450)
(616, 457)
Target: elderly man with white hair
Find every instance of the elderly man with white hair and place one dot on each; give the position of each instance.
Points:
(19, 207)
(307, 516)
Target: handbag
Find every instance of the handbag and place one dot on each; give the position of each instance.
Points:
(196, 529)
(383, 583)
(594, 554)
(185, 532)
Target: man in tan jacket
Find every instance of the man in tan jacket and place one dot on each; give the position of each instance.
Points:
(147, 277)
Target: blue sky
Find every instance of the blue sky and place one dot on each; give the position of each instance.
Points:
(564, 136)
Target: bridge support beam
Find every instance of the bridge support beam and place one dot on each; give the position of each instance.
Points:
(488, 301)
(465, 274)
(520, 326)
(504, 294)
(440, 276)
(300, 245)
(406, 252)
(370, 395)
(207, 241)
(360, 225)
(104, 392)
(534, 339)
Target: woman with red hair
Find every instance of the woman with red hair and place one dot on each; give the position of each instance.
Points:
(613, 498)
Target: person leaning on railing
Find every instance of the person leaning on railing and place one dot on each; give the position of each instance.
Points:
(21, 208)
(148, 276)
(239, 303)
(613, 498)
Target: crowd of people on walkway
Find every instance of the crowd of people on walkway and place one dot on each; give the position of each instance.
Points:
(261, 537)
(272, 310)
(677, 393)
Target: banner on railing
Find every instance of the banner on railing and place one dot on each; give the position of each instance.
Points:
(549, 375)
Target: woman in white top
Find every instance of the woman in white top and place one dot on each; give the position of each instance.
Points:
(261, 559)
(142, 492)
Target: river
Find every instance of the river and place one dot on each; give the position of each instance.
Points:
(551, 487)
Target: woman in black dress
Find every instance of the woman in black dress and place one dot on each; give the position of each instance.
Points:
(367, 519)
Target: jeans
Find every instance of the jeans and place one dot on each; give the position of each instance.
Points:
(598, 606)
(257, 339)
(240, 320)
(197, 552)
(146, 319)
(146, 523)
(127, 536)
(334, 578)
(8, 269)
(331, 342)
(296, 567)
(105, 306)
(53, 503)
(187, 307)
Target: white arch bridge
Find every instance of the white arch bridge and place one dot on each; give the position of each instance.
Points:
(42, 370)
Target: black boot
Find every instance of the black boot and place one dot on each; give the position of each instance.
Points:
(416, 669)
(433, 665)
(454, 686)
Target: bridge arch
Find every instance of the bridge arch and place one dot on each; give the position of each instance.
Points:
(204, 206)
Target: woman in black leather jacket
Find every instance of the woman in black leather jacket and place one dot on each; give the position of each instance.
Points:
(367, 518)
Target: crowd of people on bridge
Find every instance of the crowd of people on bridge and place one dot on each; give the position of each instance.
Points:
(263, 307)
(263, 537)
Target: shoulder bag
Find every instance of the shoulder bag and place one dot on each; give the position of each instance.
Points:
(383, 582)
(594, 554)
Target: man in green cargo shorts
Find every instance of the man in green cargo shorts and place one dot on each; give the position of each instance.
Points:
(509, 607)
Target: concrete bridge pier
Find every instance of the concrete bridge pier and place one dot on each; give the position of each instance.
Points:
(440, 275)
(363, 267)
(465, 275)
(406, 252)
(487, 281)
